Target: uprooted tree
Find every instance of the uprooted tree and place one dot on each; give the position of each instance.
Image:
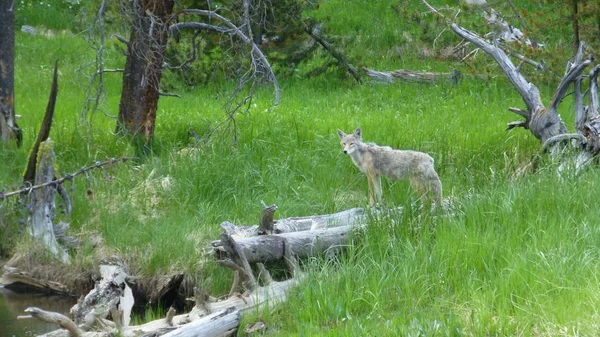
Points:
(545, 122)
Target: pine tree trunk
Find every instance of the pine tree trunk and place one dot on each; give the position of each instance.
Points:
(143, 67)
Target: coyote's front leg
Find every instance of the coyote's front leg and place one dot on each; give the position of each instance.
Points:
(374, 187)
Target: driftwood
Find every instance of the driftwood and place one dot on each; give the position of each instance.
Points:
(220, 323)
(56, 318)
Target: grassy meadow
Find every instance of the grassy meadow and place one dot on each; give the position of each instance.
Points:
(519, 256)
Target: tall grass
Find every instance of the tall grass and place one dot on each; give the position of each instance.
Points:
(517, 257)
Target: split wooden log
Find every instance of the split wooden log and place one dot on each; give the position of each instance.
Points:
(236, 260)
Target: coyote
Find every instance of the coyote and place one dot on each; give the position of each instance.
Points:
(375, 160)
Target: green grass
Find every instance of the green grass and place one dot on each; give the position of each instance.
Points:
(519, 256)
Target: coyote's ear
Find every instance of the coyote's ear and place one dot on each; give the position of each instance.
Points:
(358, 132)
(341, 134)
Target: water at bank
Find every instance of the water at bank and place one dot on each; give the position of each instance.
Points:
(12, 304)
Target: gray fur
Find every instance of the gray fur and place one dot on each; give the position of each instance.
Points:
(375, 161)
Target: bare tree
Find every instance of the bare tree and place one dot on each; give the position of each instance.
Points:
(545, 122)
(152, 22)
(9, 129)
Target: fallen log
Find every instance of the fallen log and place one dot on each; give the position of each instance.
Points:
(13, 276)
(301, 244)
(350, 217)
(221, 323)
(56, 318)
(411, 76)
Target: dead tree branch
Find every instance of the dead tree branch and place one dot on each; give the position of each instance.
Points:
(59, 181)
(56, 318)
(338, 56)
(44, 132)
(230, 28)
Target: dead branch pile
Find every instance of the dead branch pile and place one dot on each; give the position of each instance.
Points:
(245, 250)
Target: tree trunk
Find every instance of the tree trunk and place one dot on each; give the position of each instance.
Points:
(143, 67)
(43, 205)
(575, 11)
(9, 129)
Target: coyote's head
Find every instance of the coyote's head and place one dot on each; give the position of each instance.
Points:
(349, 142)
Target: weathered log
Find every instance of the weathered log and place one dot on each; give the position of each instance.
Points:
(13, 276)
(106, 294)
(411, 76)
(350, 217)
(262, 297)
(237, 261)
(220, 323)
(56, 318)
(301, 244)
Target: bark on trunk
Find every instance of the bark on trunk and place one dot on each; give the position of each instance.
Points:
(9, 129)
(143, 67)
